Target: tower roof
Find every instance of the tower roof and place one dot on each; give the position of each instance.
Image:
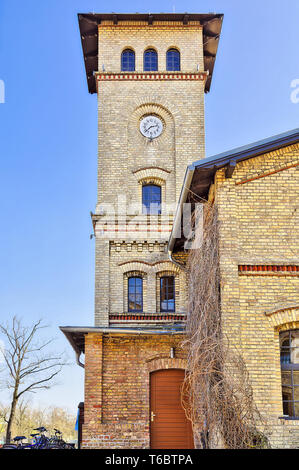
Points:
(89, 22)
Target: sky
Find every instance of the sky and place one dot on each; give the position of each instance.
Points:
(48, 144)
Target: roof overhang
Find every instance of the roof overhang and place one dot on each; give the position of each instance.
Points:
(200, 175)
(89, 22)
(76, 334)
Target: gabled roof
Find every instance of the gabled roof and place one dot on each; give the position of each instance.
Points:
(89, 22)
(200, 174)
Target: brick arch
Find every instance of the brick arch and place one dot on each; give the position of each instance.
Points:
(136, 265)
(155, 173)
(155, 103)
(128, 47)
(150, 47)
(130, 266)
(151, 107)
(166, 363)
(136, 272)
(284, 318)
(174, 47)
(162, 266)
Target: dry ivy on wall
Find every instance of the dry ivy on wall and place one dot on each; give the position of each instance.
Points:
(217, 394)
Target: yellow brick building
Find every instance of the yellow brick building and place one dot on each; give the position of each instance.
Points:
(150, 73)
(255, 189)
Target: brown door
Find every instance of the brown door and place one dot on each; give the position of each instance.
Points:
(170, 429)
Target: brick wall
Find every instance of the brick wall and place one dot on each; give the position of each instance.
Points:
(117, 381)
(126, 159)
(161, 36)
(259, 219)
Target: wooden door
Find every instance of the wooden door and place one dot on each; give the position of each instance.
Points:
(169, 427)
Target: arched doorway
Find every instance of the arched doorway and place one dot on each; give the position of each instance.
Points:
(169, 427)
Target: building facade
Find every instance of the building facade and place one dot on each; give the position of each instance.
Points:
(255, 189)
(150, 73)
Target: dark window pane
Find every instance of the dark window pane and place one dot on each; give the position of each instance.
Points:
(173, 60)
(170, 291)
(287, 407)
(286, 378)
(128, 60)
(151, 199)
(150, 61)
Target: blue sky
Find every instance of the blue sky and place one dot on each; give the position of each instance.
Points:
(48, 142)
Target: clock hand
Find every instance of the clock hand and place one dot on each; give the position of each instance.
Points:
(154, 125)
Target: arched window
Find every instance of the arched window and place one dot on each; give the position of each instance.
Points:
(173, 61)
(289, 359)
(151, 199)
(167, 294)
(150, 60)
(128, 60)
(135, 294)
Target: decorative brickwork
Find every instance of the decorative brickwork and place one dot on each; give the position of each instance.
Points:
(148, 317)
(268, 269)
(150, 76)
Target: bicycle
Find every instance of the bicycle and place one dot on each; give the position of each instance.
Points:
(40, 441)
(19, 444)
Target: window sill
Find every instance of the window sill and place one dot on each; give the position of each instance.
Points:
(289, 418)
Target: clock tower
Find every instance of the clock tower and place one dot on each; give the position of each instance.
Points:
(150, 73)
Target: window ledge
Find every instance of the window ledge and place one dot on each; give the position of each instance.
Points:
(289, 418)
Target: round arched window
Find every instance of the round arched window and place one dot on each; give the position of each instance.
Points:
(173, 61)
(150, 60)
(128, 60)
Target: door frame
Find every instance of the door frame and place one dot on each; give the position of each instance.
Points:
(160, 369)
(153, 365)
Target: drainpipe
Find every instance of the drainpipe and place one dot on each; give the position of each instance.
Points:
(178, 214)
(78, 354)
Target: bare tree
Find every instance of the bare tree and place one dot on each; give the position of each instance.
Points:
(29, 365)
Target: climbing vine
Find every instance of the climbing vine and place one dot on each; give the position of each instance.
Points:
(217, 397)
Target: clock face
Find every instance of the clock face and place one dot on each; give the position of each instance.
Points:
(151, 127)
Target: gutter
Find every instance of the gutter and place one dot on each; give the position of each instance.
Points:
(68, 330)
(95, 329)
(177, 220)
